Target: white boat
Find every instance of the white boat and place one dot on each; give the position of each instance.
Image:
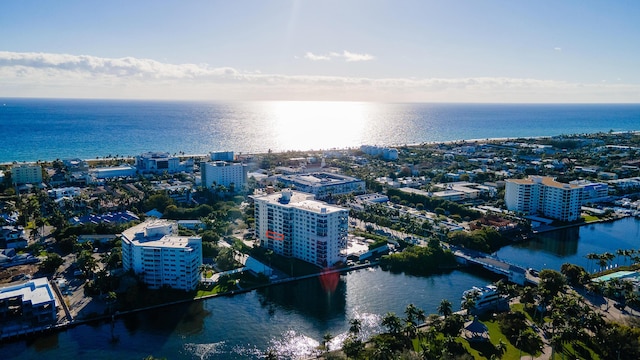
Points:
(484, 296)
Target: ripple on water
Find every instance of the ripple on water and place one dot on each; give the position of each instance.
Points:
(293, 345)
(205, 351)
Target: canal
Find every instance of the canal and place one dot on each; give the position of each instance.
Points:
(292, 318)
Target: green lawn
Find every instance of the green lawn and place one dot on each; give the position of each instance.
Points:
(214, 290)
(590, 218)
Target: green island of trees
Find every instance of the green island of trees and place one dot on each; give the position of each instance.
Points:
(419, 260)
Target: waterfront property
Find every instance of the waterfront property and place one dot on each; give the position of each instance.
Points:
(293, 224)
(544, 195)
(32, 301)
(485, 298)
(160, 162)
(160, 257)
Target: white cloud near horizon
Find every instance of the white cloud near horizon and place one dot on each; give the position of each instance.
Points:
(81, 76)
(346, 55)
(313, 57)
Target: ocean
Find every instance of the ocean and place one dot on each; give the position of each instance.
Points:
(49, 129)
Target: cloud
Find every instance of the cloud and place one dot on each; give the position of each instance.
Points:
(64, 75)
(311, 56)
(557, 48)
(345, 55)
(349, 56)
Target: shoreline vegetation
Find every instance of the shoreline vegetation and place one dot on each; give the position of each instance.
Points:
(221, 214)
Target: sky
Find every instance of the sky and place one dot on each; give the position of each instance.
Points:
(570, 51)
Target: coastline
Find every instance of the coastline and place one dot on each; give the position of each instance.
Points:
(347, 148)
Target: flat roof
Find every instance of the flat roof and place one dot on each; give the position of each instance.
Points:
(300, 200)
(36, 291)
(138, 234)
(546, 180)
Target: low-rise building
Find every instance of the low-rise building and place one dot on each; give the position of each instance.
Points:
(157, 162)
(385, 153)
(178, 191)
(111, 172)
(33, 301)
(13, 237)
(324, 184)
(68, 192)
(155, 252)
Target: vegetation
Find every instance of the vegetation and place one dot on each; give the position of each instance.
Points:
(419, 260)
(432, 204)
(486, 239)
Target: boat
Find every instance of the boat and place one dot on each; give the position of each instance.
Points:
(484, 296)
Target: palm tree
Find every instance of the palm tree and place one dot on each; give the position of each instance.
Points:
(469, 301)
(445, 308)
(619, 253)
(414, 314)
(326, 339)
(382, 351)
(355, 326)
(592, 257)
(392, 322)
(501, 348)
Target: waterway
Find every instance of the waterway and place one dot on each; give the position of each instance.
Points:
(571, 245)
(292, 318)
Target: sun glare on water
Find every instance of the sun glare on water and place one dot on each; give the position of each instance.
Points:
(318, 125)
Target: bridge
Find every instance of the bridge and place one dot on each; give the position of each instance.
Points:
(514, 273)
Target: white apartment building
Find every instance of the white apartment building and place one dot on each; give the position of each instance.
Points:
(592, 192)
(544, 195)
(161, 258)
(293, 224)
(35, 299)
(223, 173)
(222, 156)
(26, 174)
(60, 193)
(324, 184)
(157, 162)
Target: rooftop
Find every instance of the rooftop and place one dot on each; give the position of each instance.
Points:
(36, 291)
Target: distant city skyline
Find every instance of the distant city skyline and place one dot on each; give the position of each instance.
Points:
(339, 50)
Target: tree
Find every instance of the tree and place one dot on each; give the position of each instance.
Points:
(51, 263)
(445, 308)
(382, 350)
(326, 339)
(355, 326)
(551, 282)
(392, 322)
(413, 314)
(352, 347)
(225, 259)
(469, 301)
(111, 298)
(86, 262)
